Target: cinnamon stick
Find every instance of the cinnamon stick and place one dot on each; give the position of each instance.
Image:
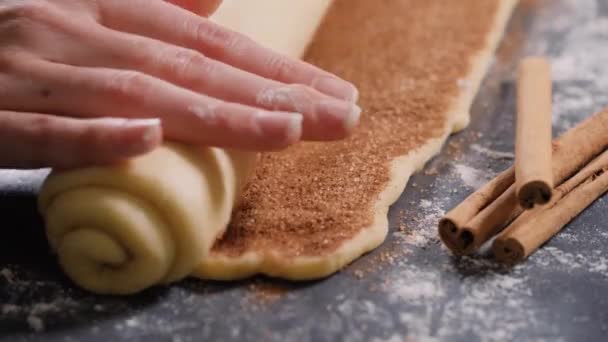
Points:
(449, 225)
(571, 151)
(533, 228)
(533, 174)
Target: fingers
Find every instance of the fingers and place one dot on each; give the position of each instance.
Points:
(186, 116)
(200, 7)
(87, 44)
(325, 118)
(29, 140)
(169, 23)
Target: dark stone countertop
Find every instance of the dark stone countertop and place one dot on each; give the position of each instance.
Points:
(410, 286)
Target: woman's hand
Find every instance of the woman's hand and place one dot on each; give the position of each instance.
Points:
(92, 81)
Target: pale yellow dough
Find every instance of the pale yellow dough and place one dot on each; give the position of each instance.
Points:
(286, 26)
(121, 229)
(222, 267)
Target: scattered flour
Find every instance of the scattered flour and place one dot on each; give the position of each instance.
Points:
(33, 313)
(426, 287)
(491, 153)
(570, 102)
(132, 322)
(592, 261)
(393, 338)
(8, 275)
(579, 68)
(421, 231)
(9, 309)
(426, 204)
(35, 323)
(471, 177)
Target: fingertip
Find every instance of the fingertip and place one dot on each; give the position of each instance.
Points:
(294, 130)
(138, 136)
(293, 133)
(332, 120)
(152, 134)
(337, 88)
(279, 130)
(352, 119)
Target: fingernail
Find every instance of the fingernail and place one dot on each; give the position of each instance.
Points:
(130, 122)
(112, 121)
(337, 88)
(352, 120)
(143, 122)
(346, 112)
(145, 140)
(294, 130)
(151, 133)
(285, 124)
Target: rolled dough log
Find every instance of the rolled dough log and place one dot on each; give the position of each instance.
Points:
(285, 26)
(121, 229)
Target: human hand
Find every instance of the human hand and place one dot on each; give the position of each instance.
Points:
(67, 66)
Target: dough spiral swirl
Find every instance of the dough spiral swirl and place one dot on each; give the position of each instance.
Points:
(120, 229)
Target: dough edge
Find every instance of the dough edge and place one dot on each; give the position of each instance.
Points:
(274, 264)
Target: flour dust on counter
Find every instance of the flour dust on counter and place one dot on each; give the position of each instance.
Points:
(579, 74)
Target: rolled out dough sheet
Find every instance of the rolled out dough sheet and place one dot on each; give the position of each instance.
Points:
(408, 58)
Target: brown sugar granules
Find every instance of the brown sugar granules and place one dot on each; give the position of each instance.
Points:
(406, 57)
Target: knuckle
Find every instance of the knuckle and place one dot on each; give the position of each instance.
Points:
(12, 60)
(42, 130)
(23, 22)
(27, 11)
(87, 143)
(185, 63)
(90, 136)
(300, 89)
(211, 115)
(218, 39)
(278, 67)
(206, 31)
(129, 84)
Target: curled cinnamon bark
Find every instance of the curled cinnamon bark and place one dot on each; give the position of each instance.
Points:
(573, 150)
(533, 228)
(533, 174)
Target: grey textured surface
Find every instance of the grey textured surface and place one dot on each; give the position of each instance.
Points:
(409, 287)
